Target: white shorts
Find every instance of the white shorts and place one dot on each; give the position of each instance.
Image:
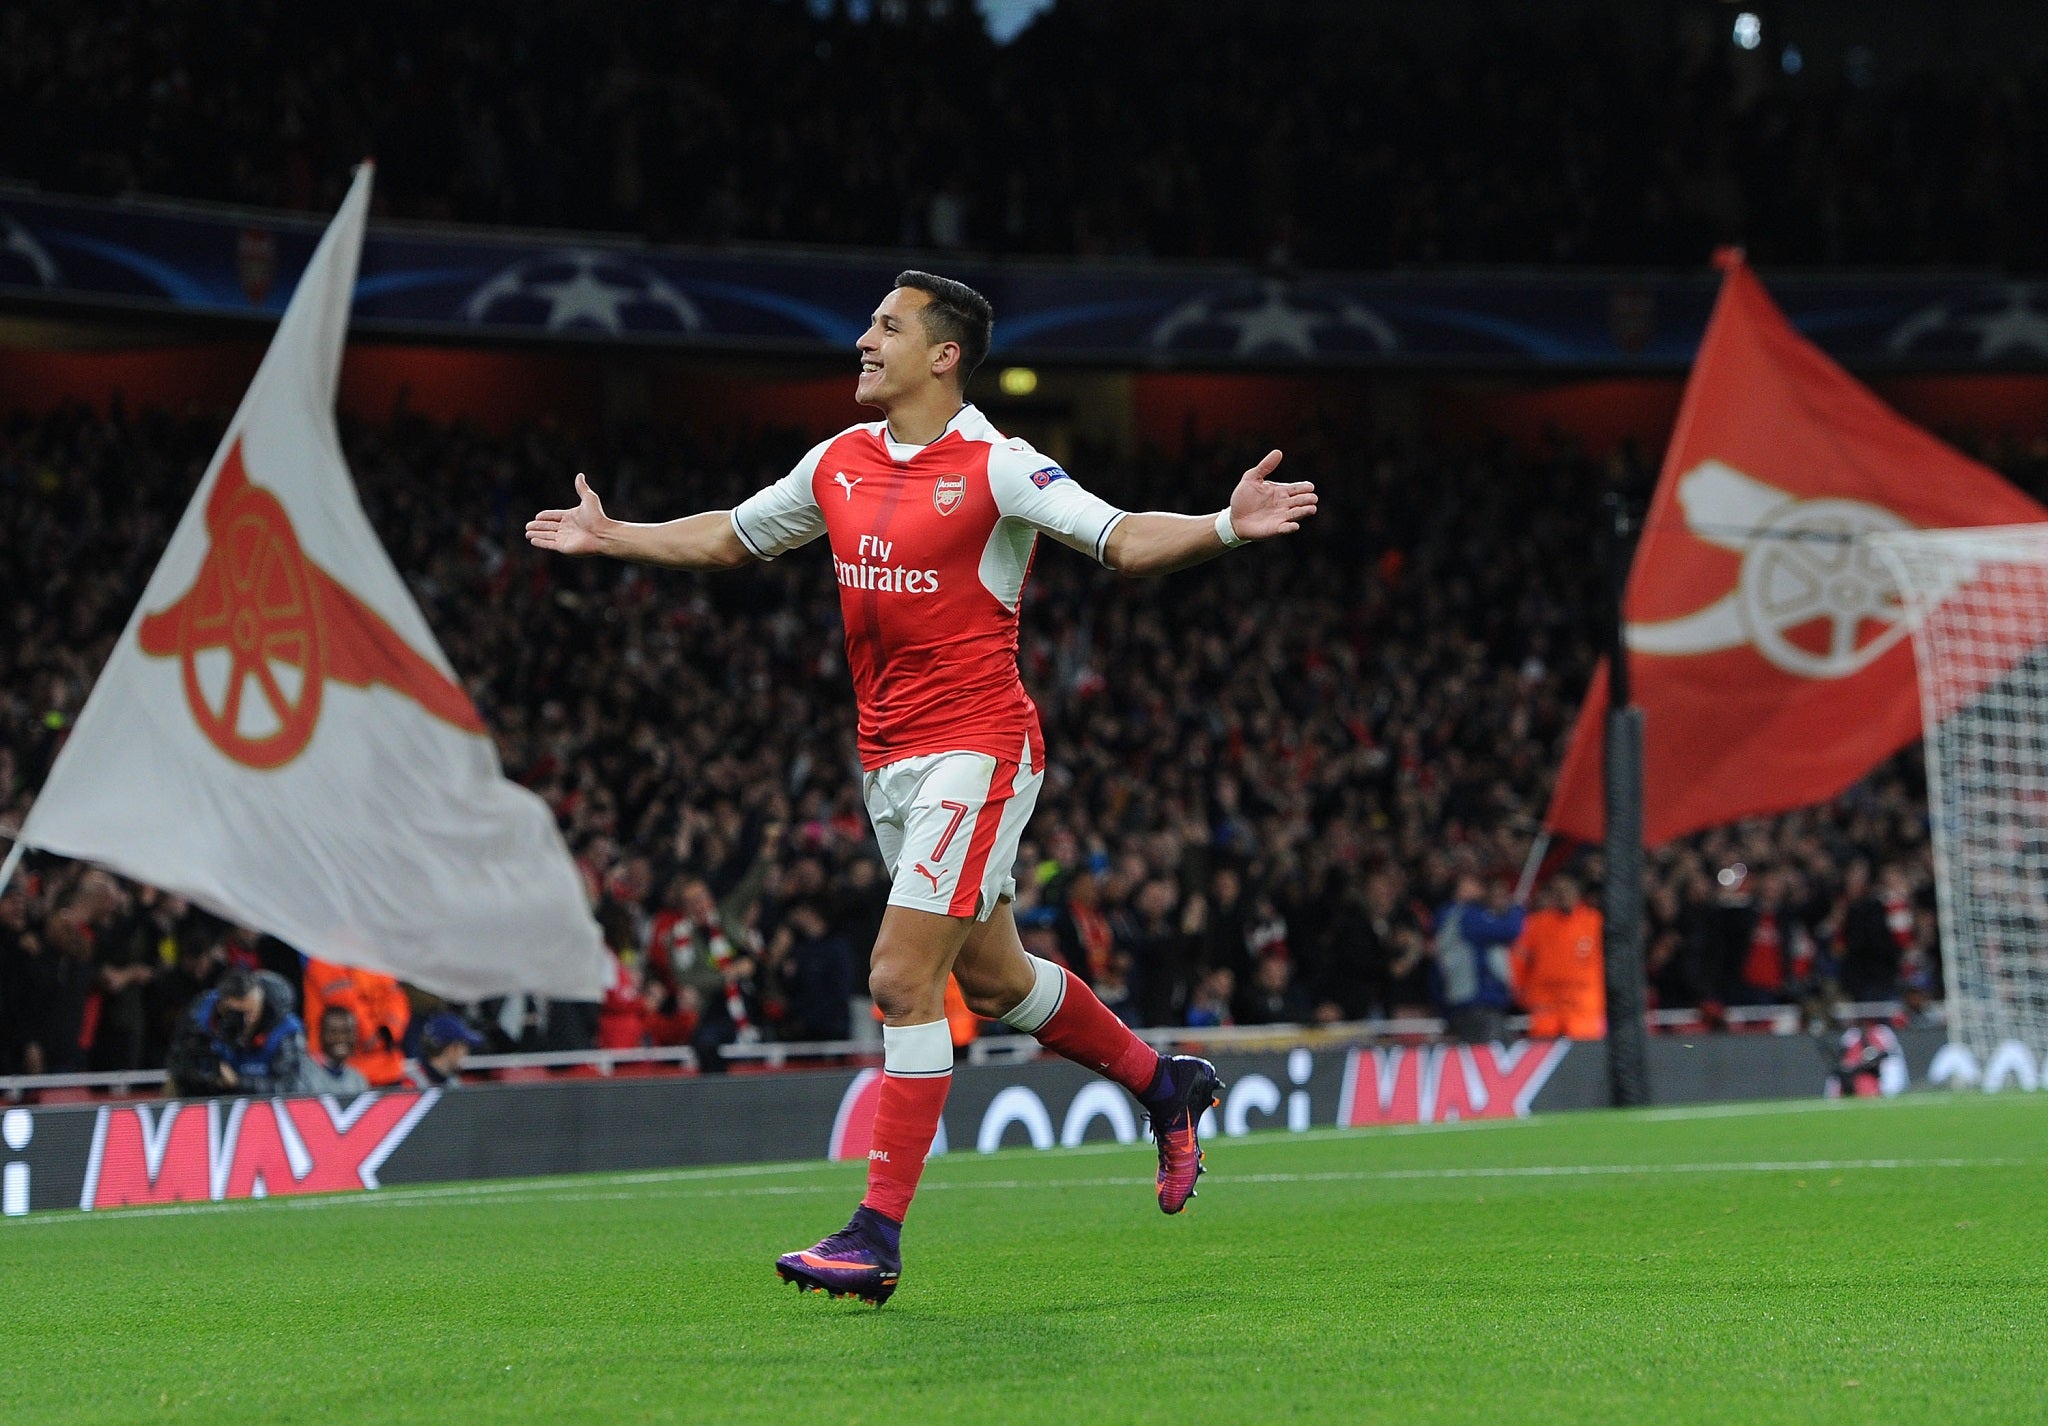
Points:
(949, 824)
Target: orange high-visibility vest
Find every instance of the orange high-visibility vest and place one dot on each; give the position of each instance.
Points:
(961, 1022)
(1560, 976)
(377, 1002)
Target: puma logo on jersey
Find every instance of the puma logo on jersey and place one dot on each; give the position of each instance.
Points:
(843, 483)
(919, 869)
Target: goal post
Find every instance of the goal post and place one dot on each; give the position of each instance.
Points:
(1976, 601)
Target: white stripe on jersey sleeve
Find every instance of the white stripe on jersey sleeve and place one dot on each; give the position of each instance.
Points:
(1059, 506)
(777, 519)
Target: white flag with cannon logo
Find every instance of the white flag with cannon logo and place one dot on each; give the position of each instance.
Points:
(278, 736)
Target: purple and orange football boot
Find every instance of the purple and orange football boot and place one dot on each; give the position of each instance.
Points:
(1187, 1087)
(864, 1259)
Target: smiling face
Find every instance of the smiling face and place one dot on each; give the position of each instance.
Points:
(898, 357)
(337, 1034)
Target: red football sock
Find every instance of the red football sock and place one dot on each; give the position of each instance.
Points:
(1084, 1030)
(906, 1119)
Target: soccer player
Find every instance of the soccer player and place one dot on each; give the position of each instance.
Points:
(932, 515)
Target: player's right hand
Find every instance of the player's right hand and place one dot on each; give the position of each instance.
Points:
(569, 532)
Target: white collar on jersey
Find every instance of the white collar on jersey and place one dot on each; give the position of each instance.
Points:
(968, 421)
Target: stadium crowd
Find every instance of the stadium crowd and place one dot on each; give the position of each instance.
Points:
(1275, 784)
(1320, 133)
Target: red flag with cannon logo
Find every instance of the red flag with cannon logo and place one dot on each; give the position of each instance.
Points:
(1768, 646)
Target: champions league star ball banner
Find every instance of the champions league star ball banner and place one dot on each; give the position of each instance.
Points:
(277, 736)
(455, 283)
(197, 1151)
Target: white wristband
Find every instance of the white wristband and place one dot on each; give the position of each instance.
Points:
(1227, 532)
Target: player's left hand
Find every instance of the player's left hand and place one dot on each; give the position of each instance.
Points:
(1262, 508)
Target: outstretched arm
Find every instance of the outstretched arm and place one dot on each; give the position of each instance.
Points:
(703, 541)
(1154, 542)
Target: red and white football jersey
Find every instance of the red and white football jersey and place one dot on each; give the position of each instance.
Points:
(932, 545)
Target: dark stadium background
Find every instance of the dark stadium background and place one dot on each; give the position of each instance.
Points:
(1281, 761)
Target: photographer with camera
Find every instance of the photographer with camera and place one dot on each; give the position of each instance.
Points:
(240, 1038)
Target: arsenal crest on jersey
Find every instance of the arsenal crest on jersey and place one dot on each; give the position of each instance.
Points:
(948, 493)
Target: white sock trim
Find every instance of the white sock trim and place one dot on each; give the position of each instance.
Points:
(1048, 989)
(917, 1051)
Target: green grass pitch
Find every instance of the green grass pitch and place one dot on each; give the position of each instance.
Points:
(1805, 1262)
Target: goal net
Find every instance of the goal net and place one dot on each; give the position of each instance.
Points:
(1977, 603)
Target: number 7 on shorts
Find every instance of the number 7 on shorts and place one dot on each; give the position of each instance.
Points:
(959, 811)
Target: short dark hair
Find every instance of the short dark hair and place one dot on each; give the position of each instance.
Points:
(956, 313)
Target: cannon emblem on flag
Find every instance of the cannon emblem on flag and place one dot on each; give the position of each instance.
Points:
(263, 627)
(1811, 597)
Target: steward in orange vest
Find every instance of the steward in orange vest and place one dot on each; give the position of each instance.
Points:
(382, 1012)
(1557, 971)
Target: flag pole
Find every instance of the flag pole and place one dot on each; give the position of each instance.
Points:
(1533, 863)
(14, 855)
(1628, 1047)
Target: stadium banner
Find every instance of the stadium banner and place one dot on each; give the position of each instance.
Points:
(443, 282)
(167, 1152)
(277, 736)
